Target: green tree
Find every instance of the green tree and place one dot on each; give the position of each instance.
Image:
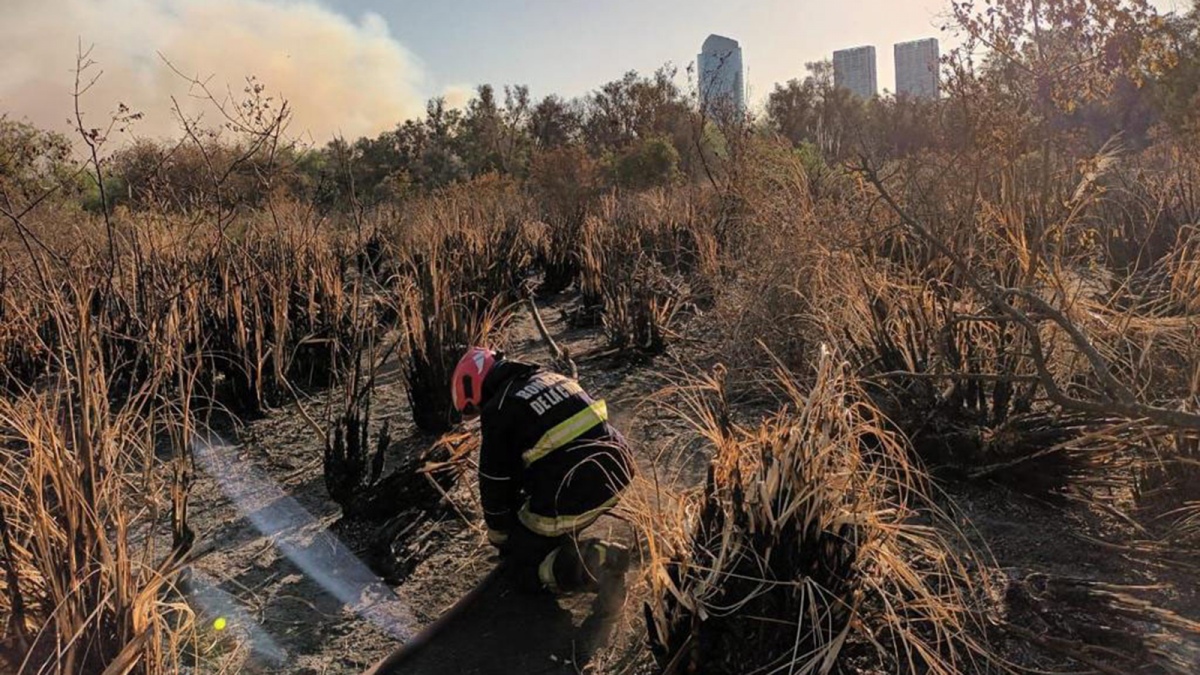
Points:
(32, 162)
(653, 162)
(815, 111)
(554, 123)
(635, 107)
(494, 138)
(792, 110)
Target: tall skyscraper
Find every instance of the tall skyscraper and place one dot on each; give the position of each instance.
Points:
(722, 84)
(917, 68)
(854, 69)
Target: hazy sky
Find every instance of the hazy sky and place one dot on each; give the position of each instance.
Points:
(571, 46)
(358, 66)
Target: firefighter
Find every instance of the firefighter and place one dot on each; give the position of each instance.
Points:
(550, 465)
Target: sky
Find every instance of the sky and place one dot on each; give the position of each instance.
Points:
(570, 46)
(355, 67)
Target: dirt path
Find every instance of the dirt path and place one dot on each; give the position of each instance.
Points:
(288, 579)
(287, 573)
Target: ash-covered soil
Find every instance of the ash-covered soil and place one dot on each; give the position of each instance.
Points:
(291, 578)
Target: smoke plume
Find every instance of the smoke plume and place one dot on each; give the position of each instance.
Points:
(340, 77)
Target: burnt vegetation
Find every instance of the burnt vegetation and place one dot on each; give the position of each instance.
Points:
(889, 307)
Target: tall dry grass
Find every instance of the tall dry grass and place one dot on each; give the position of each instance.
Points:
(643, 258)
(466, 258)
(110, 360)
(93, 524)
(813, 543)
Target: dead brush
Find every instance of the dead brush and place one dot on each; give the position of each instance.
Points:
(958, 381)
(411, 500)
(439, 326)
(280, 309)
(672, 233)
(1183, 269)
(1167, 489)
(678, 229)
(565, 184)
(638, 297)
(775, 248)
(468, 252)
(484, 232)
(270, 306)
(348, 446)
(348, 443)
(81, 493)
(1110, 628)
(1151, 205)
(27, 333)
(622, 268)
(813, 546)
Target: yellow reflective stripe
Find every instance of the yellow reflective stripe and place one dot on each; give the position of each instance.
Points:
(556, 526)
(566, 431)
(546, 572)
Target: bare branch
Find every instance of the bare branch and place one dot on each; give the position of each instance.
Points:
(94, 139)
(1122, 400)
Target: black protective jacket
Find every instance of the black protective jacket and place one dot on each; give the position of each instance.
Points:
(549, 459)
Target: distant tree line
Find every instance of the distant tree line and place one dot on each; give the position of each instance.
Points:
(644, 131)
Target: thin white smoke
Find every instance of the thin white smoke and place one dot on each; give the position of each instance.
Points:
(341, 77)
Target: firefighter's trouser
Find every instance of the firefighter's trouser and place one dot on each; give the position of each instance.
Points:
(562, 564)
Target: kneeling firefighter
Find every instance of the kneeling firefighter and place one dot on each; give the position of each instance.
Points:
(550, 465)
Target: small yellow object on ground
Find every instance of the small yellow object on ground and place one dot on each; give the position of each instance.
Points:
(219, 624)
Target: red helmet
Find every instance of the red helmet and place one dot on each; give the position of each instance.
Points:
(466, 385)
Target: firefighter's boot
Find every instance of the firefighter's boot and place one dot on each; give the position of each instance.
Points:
(610, 581)
(584, 566)
(604, 565)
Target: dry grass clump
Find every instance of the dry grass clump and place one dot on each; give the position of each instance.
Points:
(1167, 490)
(281, 308)
(439, 325)
(1183, 269)
(679, 228)
(349, 446)
(269, 302)
(410, 502)
(812, 546)
(959, 379)
(85, 574)
(778, 244)
(642, 259)
(468, 256)
(26, 334)
(638, 297)
(114, 350)
(566, 183)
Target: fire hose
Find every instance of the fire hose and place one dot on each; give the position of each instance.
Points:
(392, 663)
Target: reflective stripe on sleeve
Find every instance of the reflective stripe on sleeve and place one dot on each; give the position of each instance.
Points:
(566, 431)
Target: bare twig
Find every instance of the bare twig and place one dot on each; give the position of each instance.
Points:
(93, 138)
(561, 356)
(979, 377)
